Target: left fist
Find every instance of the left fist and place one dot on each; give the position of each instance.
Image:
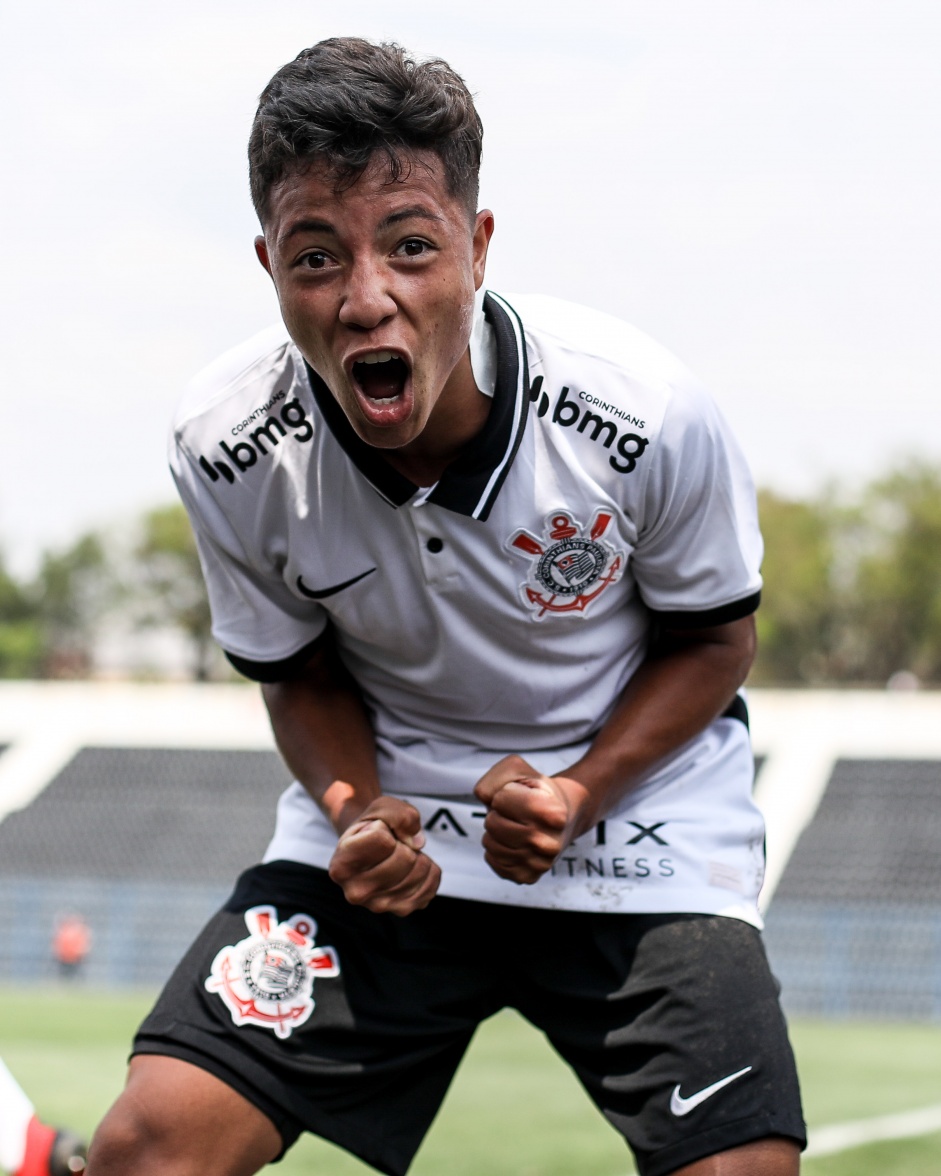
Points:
(531, 818)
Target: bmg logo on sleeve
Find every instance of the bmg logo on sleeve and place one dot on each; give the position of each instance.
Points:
(259, 442)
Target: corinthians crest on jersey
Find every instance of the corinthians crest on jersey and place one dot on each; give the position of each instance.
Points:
(570, 565)
(267, 979)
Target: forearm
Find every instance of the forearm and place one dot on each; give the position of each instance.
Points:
(674, 695)
(324, 735)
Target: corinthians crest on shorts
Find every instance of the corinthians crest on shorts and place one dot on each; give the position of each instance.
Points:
(267, 979)
(570, 566)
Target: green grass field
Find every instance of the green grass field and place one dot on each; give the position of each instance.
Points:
(514, 1109)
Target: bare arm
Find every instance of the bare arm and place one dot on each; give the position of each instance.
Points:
(324, 734)
(684, 684)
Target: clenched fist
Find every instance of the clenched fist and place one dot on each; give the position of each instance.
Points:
(380, 863)
(531, 819)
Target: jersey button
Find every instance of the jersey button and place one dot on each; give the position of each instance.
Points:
(434, 545)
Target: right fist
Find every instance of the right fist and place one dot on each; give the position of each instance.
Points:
(379, 861)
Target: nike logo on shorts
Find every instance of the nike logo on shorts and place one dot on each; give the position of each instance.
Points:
(683, 1106)
(320, 593)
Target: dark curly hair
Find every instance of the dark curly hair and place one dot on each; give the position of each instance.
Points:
(343, 100)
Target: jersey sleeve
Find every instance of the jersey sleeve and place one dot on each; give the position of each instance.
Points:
(699, 548)
(263, 629)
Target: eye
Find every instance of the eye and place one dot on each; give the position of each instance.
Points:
(315, 260)
(414, 247)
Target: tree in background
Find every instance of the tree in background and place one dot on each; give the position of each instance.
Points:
(171, 581)
(21, 639)
(72, 593)
(853, 593)
(897, 585)
(798, 622)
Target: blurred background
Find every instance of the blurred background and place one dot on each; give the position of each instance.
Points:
(755, 186)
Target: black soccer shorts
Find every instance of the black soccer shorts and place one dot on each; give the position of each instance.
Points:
(351, 1025)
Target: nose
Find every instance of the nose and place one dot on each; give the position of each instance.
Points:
(367, 299)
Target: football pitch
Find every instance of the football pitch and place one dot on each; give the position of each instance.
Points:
(514, 1109)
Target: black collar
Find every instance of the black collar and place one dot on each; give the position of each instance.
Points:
(471, 483)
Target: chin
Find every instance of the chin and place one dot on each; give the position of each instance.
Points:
(384, 437)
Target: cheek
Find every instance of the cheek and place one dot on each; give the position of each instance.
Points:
(453, 319)
(305, 326)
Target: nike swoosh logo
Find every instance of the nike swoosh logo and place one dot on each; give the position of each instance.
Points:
(683, 1106)
(320, 593)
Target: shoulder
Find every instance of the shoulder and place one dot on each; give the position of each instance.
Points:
(600, 380)
(236, 376)
(599, 342)
(235, 411)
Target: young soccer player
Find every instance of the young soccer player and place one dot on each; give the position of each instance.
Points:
(494, 561)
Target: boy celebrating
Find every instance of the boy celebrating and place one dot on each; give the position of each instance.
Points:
(494, 562)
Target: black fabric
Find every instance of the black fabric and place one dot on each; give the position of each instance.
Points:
(463, 483)
(637, 1004)
(737, 709)
(275, 671)
(705, 619)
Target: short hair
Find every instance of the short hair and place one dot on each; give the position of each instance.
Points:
(346, 99)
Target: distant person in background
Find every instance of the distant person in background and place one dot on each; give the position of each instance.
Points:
(71, 943)
(27, 1146)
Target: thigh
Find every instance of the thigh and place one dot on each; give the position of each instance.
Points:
(673, 1025)
(326, 1017)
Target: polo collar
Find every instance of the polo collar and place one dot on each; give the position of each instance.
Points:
(471, 483)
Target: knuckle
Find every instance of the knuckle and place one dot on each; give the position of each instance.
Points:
(550, 809)
(546, 846)
(500, 853)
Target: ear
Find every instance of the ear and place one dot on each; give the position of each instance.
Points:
(483, 231)
(261, 252)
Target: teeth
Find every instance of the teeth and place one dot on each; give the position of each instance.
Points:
(376, 357)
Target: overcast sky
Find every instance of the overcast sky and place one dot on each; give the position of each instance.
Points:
(756, 185)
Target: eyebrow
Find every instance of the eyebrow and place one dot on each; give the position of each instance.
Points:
(416, 212)
(308, 226)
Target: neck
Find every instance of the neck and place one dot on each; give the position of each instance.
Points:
(457, 418)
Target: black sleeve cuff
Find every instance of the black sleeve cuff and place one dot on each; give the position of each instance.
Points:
(723, 615)
(737, 709)
(275, 671)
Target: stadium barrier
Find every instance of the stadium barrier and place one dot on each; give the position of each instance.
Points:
(137, 805)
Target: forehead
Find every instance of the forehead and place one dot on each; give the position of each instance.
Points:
(313, 190)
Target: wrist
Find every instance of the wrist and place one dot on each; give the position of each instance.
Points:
(343, 804)
(581, 803)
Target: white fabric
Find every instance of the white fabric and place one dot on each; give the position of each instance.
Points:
(703, 865)
(483, 349)
(16, 1111)
(458, 666)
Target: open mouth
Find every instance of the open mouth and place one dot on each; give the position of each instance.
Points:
(381, 377)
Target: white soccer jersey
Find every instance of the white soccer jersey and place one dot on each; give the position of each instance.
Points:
(504, 609)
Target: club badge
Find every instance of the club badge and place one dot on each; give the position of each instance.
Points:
(570, 567)
(267, 979)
